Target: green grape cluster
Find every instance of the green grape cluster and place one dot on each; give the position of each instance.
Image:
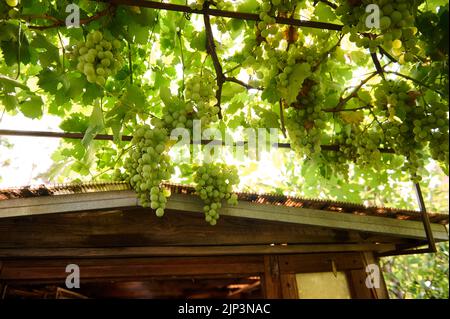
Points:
(396, 31)
(267, 24)
(148, 165)
(214, 183)
(196, 4)
(98, 58)
(362, 147)
(410, 124)
(200, 90)
(393, 98)
(178, 114)
(306, 121)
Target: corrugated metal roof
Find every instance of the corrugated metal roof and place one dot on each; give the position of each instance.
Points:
(270, 199)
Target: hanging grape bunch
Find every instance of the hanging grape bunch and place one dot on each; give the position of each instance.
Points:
(148, 165)
(97, 57)
(200, 90)
(413, 124)
(178, 115)
(396, 31)
(214, 183)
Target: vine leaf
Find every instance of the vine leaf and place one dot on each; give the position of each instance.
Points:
(96, 124)
(32, 107)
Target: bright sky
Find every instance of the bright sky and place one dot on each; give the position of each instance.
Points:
(30, 156)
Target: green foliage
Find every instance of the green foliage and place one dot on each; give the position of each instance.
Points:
(418, 276)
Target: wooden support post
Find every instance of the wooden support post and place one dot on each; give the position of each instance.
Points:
(358, 278)
(381, 292)
(271, 279)
(289, 286)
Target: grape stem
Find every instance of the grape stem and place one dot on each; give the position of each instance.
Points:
(179, 36)
(130, 62)
(283, 127)
(241, 83)
(19, 44)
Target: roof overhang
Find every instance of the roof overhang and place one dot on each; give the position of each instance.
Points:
(85, 202)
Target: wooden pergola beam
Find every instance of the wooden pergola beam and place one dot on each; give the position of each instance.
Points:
(222, 13)
(125, 138)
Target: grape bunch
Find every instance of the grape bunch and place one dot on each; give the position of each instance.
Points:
(306, 121)
(362, 147)
(394, 98)
(200, 90)
(214, 183)
(98, 58)
(178, 114)
(196, 4)
(220, 4)
(396, 31)
(405, 127)
(148, 165)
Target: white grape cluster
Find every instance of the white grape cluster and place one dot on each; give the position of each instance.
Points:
(220, 4)
(200, 90)
(148, 165)
(396, 31)
(438, 124)
(267, 24)
(196, 4)
(393, 98)
(178, 115)
(98, 58)
(362, 147)
(413, 124)
(214, 183)
(306, 121)
(404, 131)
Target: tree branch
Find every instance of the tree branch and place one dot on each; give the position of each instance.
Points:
(211, 49)
(59, 23)
(416, 81)
(333, 110)
(241, 83)
(343, 101)
(387, 54)
(130, 62)
(377, 64)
